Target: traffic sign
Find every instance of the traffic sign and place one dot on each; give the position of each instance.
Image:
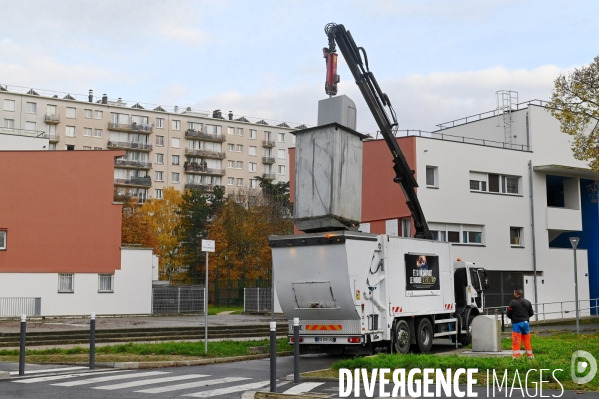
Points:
(208, 245)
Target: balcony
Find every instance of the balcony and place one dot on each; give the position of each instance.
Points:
(53, 138)
(268, 143)
(268, 160)
(268, 176)
(200, 170)
(564, 219)
(197, 186)
(52, 119)
(134, 181)
(199, 135)
(131, 163)
(205, 153)
(131, 127)
(129, 145)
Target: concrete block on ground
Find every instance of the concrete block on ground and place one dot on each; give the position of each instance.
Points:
(486, 334)
(4, 375)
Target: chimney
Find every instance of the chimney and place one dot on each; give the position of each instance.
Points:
(104, 99)
(217, 114)
(176, 109)
(188, 109)
(120, 100)
(230, 115)
(91, 96)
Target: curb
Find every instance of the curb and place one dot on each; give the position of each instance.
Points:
(274, 395)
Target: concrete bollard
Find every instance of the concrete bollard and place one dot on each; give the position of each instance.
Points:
(273, 356)
(22, 345)
(296, 327)
(486, 334)
(92, 341)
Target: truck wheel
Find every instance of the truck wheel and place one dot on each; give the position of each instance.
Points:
(424, 335)
(401, 335)
(466, 339)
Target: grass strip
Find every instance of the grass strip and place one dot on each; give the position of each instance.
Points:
(214, 310)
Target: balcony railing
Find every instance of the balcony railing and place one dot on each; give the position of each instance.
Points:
(268, 160)
(53, 138)
(130, 145)
(199, 135)
(205, 153)
(205, 187)
(52, 119)
(131, 163)
(268, 143)
(268, 176)
(134, 181)
(195, 168)
(131, 127)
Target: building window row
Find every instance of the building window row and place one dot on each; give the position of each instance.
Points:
(494, 183)
(66, 283)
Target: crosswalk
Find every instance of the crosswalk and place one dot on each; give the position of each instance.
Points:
(159, 383)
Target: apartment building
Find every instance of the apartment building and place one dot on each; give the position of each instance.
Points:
(164, 146)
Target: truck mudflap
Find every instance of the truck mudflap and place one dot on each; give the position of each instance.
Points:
(327, 327)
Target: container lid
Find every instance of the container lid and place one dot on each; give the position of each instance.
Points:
(334, 124)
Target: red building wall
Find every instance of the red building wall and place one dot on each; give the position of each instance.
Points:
(57, 208)
(382, 199)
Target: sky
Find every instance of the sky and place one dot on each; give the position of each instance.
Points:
(436, 60)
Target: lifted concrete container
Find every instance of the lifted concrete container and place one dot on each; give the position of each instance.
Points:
(328, 176)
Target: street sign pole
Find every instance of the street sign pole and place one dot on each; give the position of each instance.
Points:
(207, 246)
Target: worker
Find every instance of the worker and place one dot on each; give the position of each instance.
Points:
(520, 311)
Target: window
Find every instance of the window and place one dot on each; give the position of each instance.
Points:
(438, 235)
(510, 184)
(176, 125)
(281, 137)
(240, 131)
(453, 236)
(478, 185)
(159, 176)
(253, 183)
(253, 134)
(231, 147)
(516, 236)
(9, 105)
(239, 148)
(71, 113)
(97, 148)
(281, 169)
(159, 158)
(431, 176)
(2, 240)
(30, 126)
(70, 131)
(105, 282)
(66, 282)
(231, 130)
(99, 114)
(494, 183)
(214, 129)
(87, 148)
(158, 193)
(51, 109)
(230, 164)
(175, 159)
(239, 182)
(281, 154)
(239, 165)
(230, 181)
(175, 177)
(253, 166)
(175, 142)
(9, 124)
(32, 108)
(406, 225)
(160, 140)
(52, 147)
(98, 133)
(253, 150)
(87, 113)
(472, 237)
(87, 131)
(160, 123)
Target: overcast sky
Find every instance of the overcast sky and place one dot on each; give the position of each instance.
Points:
(437, 60)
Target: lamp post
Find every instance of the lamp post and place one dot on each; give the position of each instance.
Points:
(574, 241)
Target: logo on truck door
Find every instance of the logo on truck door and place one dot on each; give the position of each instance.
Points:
(422, 272)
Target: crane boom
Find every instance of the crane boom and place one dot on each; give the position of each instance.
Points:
(377, 101)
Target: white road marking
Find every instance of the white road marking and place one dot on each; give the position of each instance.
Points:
(48, 370)
(193, 385)
(223, 391)
(302, 388)
(62, 377)
(139, 383)
(108, 378)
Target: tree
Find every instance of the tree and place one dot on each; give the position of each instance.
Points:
(164, 218)
(276, 205)
(575, 104)
(135, 229)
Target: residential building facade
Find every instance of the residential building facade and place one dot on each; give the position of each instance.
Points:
(163, 146)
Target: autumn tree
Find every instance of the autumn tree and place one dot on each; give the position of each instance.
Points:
(575, 104)
(164, 219)
(135, 228)
(274, 202)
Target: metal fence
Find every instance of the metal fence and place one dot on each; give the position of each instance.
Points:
(184, 299)
(557, 310)
(257, 300)
(12, 307)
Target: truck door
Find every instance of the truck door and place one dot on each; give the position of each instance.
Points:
(477, 287)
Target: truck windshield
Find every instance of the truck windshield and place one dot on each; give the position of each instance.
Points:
(475, 280)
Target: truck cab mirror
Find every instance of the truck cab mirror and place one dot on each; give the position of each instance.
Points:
(484, 278)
